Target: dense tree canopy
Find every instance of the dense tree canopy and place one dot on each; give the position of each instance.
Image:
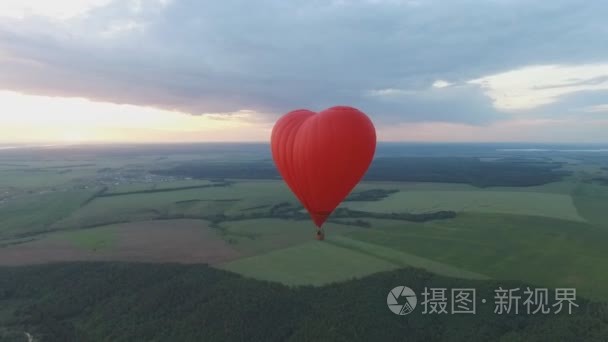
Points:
(465, 170)
(144, 302)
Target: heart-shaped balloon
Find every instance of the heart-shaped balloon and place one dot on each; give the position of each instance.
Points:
(323, 156)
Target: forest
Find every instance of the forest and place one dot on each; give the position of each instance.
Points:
(170, 302)
(464, 170)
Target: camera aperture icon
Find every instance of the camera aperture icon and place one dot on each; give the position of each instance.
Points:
(401, 300)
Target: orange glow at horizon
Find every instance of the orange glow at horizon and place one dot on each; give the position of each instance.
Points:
(43, 119)
(32, 118)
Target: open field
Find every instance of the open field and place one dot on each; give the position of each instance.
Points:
(561, 187)
(402, 259)
(558, 251)
(38, 178)
(256, 196)
(183, 241)
(100, 239)
(506, 202)
(591, 201)
(82, 207)
(126, 188)
(35, 213)
(310, 263)
(337, 259)
(543, 251)
(539, 250)
(501, 243)
(264, 235)
(190, 202)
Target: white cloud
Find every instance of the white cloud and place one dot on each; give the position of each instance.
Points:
(533, 130)
(534, 86)
(390, 92)
(57, 9)
(122, 28)
(596, 109)
(393, 59)
(441, 84)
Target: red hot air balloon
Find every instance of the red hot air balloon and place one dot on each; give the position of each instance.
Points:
(323, 156)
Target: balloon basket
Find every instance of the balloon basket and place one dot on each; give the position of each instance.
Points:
(320, 235)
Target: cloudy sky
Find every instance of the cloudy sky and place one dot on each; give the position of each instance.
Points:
(191, 70)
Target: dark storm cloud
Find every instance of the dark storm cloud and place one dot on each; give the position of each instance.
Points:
(273, 56)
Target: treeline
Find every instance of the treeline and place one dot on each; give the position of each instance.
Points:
(246, 169)
(147, 302)
(600, 180)
(420, 217)
(288, 211)
(465, 170)
(178, 188)
(283, 210)
(370, 195)
(407, 169)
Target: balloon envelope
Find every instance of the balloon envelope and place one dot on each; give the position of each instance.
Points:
(323, 156)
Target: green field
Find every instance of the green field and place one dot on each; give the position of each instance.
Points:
(35, 213)
(310, 263)
(591, 201)
(263, 235)
(97, 239)
(339, 258)
(552, 234)
(506, 202)
(187, 203)
(544, 251)
(39, 178)
(125, 188)
(402, 259)
(533, 236)
(561, 187)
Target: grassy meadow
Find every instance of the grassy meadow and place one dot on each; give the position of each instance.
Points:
(551, 234)
(483, 201)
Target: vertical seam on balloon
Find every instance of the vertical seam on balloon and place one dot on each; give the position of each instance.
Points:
(306, 175)
(295, 150)
(300, 195)
(290, 147)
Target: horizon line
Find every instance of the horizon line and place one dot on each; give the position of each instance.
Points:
(97, 143)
